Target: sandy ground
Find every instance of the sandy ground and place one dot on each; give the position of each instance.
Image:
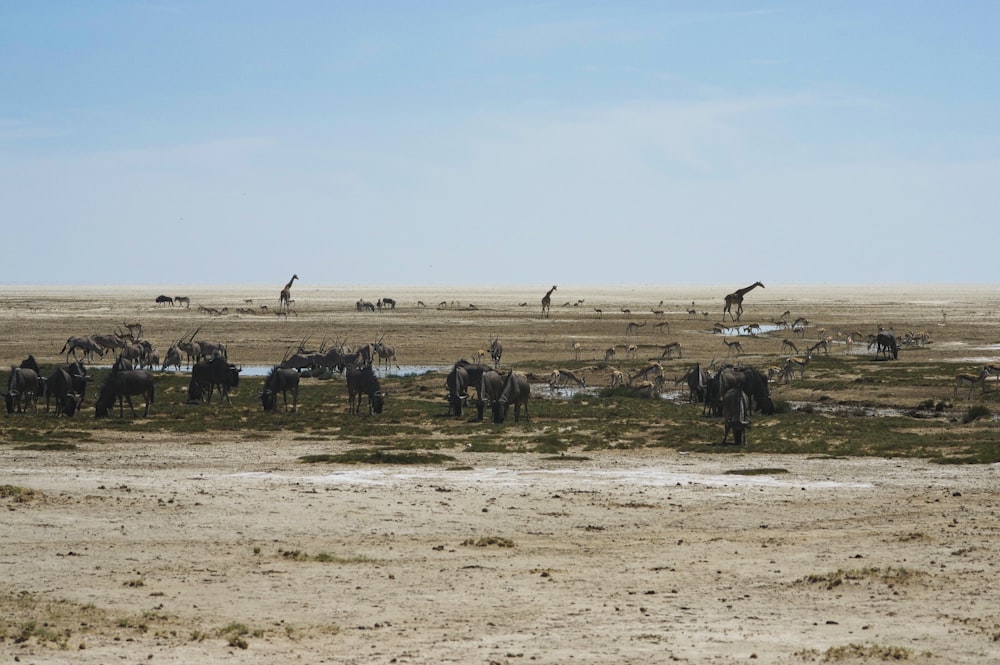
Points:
(158, 550)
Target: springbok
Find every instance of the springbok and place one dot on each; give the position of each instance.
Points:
(562, 377)
(970, 380)
(670, 349)
(788, 344)
(734, 346)
(822, 344)
(797, 363)
(633, 328)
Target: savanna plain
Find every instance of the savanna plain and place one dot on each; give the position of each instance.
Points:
(859, 523)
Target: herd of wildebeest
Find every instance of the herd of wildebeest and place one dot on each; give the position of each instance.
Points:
(732, 392)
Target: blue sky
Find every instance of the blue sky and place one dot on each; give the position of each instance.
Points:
(492, 143)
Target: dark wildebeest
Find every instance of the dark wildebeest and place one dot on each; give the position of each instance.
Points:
(749, 379)
(121, 385)
(22, 389)
(162, 300)
(85, 344)
(736, 414)
(207, 375)
(885, 343)
(515, 390)
(496, 351)
(60, 385)
(362, 381)
(697, 383)
(463, 375)
(283, 380)
(385, 303)
(490, 386)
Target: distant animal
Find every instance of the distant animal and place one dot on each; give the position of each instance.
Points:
(386, 353)
(164, 300)
(280, 380)
(886, 343)
(496, 351)
(386, 303)
(84, 343)
(207, 375)
(736, 415)
(516, 390)
(183, 300)
(22, 390)
(59, 386)
(121, 385)
(362, 381)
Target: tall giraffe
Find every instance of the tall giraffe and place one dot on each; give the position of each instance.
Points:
(285, 298)
(547, 301)
(736, 298)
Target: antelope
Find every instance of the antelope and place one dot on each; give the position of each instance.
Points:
(657, 312)
(669, 349)
(963, 380)
(576, 350)
(664, 326)
(609, 354)
(798, 363)
(561, 377)
(822, 344)
(992, 370)
(734, 346)
(788, 344)
(633, 328)
(496, 351)
(617, 378)
(632, 350)
(600, 312)
(652, 369)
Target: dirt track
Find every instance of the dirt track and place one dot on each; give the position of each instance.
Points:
(160, 550)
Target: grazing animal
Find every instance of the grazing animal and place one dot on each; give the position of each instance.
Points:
(172, 359)
(60, 385)
(697, 382)
(788, 344)
(84, 343)
(385, 303)
(971, 380)
(885, 343)
(163, 300)
(561, 377)
(490, 386)
(121, 385)
(209, 374)
(736, 415)
(362, 381)
(463, 375)
(750, 380)
(670, 349)
(22, 390)
(183, 300)
(280, 380)
(516, 390)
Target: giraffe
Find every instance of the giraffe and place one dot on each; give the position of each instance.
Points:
(285, 298)
(547, 301)
(736, 298)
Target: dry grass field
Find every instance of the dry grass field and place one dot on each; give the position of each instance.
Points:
(858, 525)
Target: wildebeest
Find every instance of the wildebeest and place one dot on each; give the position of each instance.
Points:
(362, 381)
(516, 391)
(697, 382)
(751, 380)
(385, 303)
(283, 380)
(490, 386)
(61, 386)
(463, 375)
(209, 374)
(736, 415)
(163, 300)
(885, 343)
(84, 343)
(22, 389)
(121, 385)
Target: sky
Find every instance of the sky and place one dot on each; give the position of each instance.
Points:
(494, 143)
